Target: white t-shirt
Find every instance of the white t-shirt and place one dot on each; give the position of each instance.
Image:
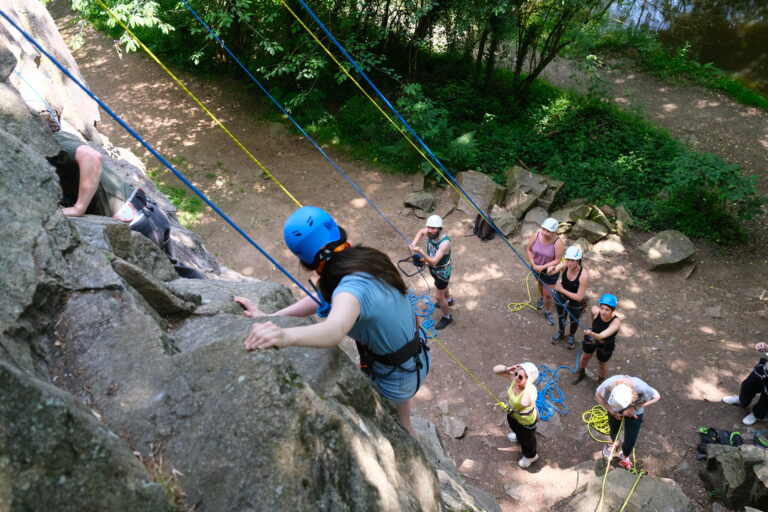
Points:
(639, 386)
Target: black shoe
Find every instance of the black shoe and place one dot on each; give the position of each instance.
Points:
(557, 337)
(450, 301)
(444, 322)
(540, 304)
(578, 377)
(570, 343)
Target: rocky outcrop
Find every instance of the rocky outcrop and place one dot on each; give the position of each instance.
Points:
(667, 249)
(481, 188)
(93, 318)
(651, 494)
(738, 474)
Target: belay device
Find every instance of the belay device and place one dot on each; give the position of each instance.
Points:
(417, 261)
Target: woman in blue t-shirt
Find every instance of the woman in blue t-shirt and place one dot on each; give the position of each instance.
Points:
(364, 297)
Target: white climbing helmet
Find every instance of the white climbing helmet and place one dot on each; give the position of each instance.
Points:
(550, 224)
(621, 397)
(434, 221)
(531, 371)
(573, 253)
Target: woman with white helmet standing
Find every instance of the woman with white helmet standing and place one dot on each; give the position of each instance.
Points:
(571, 291)
(523, 414)
(368, 302)
(438, 258)
(544, 250)
(600, 339)
(625, 398)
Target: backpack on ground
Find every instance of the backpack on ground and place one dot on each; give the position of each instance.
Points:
(482, 229)
(713, 435)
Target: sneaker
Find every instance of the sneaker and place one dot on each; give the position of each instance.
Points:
(578, 377)
(549, 317)
(557, 337)
(540, 304)
(750, 419)
(512, 437)
(624, 462)
(731, 400)
(570, 343)
(450, 301)
(608, 450)
(444, 322)
(525, 461)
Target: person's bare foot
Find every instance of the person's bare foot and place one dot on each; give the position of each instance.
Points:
(72, 211)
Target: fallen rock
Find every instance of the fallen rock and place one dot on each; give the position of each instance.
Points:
(481, 188)
(454, 427)
(651, 494)
(667, 249)
(421, 201)
(589, 229)
(572, 214)
(505, 221)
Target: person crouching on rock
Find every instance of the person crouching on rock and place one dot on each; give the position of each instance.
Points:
(522, 414)
(625, 398)
(754, 383)
(601, 338)
(363, 297)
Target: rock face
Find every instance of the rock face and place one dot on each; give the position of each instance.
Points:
(666, 249)
(651, 494)
(739, 473)
(93, 318)
(481, 188)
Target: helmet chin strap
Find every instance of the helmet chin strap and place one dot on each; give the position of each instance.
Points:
(325, 255)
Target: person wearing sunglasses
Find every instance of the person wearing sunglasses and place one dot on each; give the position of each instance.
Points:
(522, 414)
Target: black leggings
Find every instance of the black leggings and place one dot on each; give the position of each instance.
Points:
(751, 386)
(525, 434)
(563, 316)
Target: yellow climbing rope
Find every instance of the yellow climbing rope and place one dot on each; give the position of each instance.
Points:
(517, 306)
(597, 418)
(199, 103)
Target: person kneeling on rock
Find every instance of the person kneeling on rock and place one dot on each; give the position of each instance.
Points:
(522, 414)
(754, 383)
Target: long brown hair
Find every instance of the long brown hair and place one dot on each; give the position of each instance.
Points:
(357, 259)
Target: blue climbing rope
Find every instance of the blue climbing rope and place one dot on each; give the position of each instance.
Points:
(551, 398)
(424, 146)
(295, 123)
(423, 307)
(156, 154)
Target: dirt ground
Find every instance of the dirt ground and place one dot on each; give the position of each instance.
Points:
(667, 339)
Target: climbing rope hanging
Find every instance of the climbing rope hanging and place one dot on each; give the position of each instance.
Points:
(295, 123)
(441, 171)
(154, 153)
(198, 102)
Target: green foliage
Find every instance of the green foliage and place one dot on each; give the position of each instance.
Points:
(189, 207)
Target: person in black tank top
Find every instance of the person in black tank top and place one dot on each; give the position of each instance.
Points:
(570, 294)
(601, 338)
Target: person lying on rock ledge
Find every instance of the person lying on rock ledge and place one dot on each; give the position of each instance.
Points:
(363, 296)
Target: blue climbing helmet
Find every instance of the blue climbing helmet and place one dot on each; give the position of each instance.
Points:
(609, 300)
(309, 229)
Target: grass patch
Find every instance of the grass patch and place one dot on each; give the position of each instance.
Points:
(189, 207)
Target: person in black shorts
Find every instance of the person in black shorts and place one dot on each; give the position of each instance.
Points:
(570, 295)
(600, 339)
(438, 259)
